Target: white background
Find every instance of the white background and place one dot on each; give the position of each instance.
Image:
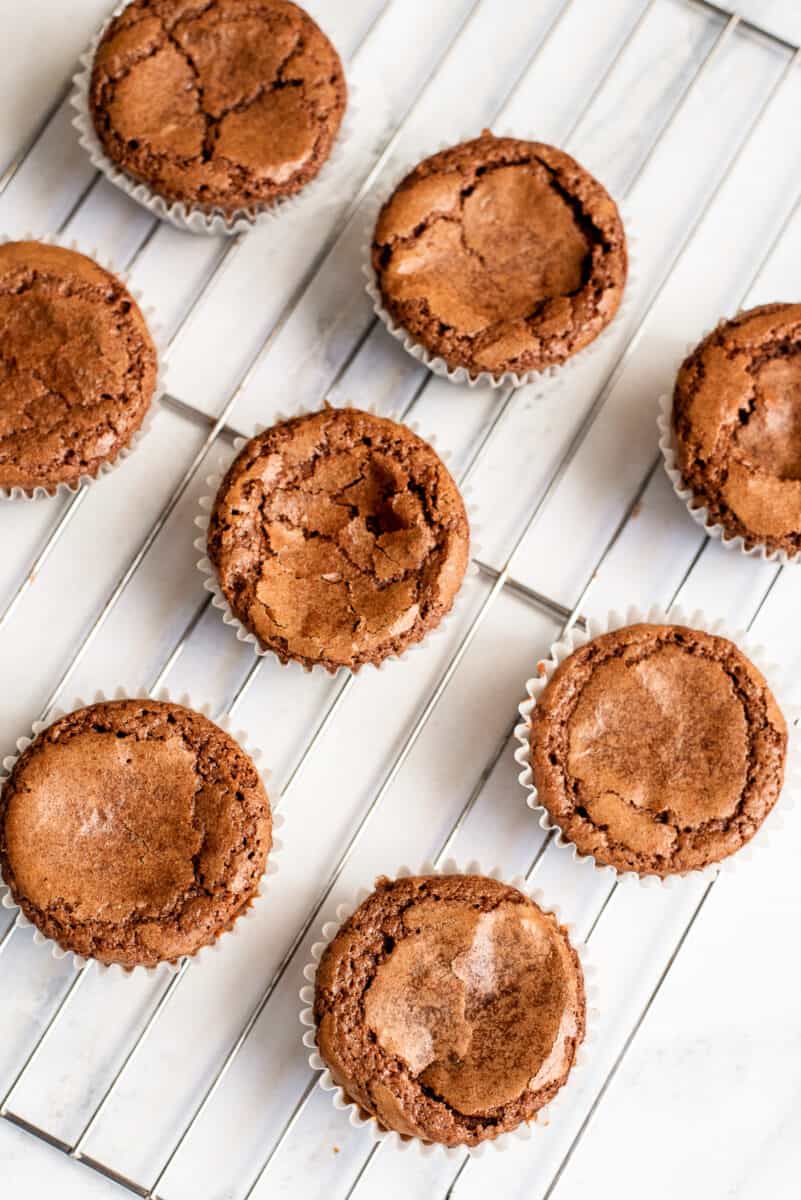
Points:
(707, 1098)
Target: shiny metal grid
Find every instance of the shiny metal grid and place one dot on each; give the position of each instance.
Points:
(219, 428)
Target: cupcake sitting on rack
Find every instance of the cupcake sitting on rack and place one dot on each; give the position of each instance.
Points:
(212, 116)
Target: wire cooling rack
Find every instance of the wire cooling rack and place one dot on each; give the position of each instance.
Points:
(195, 1083)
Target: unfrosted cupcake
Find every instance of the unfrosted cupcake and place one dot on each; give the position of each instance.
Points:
(449, 1007)
(78, 367)
(225, 107)
(134, 832)
(338, 538)
(500, 255)
(657, 749)
(737, 427)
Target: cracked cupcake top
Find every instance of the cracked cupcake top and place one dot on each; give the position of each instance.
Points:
(338, 538)
(224, 104)
(134, 831)
(450, 1007)
(658, 749)
(737, 421)
(500, 255)
(77, 366)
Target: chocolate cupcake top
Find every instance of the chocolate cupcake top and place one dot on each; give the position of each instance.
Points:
(657, 749)
(500, 255)
(134, 831)
(737, 423)
(338, 538)
(77, 366)
(450, 1007)
(226, 104)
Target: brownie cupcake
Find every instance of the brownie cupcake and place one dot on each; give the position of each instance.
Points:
(450, 1008)
(735, 451)
(498, 256)
(227, 107)
(78, 367)
(337, 538)
(654, 748)
(133, 832)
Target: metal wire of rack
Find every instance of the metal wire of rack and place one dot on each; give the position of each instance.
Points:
(500, 580)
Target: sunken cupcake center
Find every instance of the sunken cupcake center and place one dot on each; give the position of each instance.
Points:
(770, 437)
(657, 746)
(339, 537)
(479, 1005)
(513, 244)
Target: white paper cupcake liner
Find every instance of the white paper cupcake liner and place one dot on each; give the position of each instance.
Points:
(211, 583)
(658, 616)
(194, 218)
(698, 511)
(254, 753)
(461, 375)
(160, 387)
(358, 1118)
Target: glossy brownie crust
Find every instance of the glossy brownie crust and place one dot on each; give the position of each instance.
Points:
(501, 255)
(450, 1007)
(658, 749)
(223, 104)
(737, 424)
(77, 366)
(339, 538)
(134, 831)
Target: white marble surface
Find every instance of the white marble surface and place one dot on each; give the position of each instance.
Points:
(706, 1100)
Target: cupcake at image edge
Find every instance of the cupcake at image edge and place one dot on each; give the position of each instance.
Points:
(223, 107)
(338, 538)
(500, 255)
(78, 367)
(449, 1007)
(657, 749)
(737, 427)
(134, 832)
